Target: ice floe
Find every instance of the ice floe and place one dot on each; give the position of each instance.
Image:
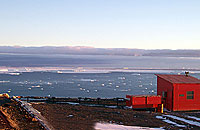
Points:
(3, 81)
(37, 86)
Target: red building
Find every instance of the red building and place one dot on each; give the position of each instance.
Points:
(179, 92)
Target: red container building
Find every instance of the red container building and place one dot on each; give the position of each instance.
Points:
(148, 101)
(179, 92)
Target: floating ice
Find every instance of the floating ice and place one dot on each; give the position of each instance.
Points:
(135, 74)
(37, 86)
(49, 83)
(14, 74)
(122, 78)
(124, 90)
(4, 81)
(140, 86)
(82, 89)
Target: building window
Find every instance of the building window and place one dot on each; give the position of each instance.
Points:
(190, 94)
(164, 95)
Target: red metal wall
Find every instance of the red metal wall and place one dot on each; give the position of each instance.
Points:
(163, 85)
(181, 103)
(147, 101)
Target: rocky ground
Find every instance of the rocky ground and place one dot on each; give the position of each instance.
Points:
(79, 117)
(17, 118)
(83, 117)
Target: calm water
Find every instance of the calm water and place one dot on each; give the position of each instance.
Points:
(16, 60)
(115, 84)
(76, 84)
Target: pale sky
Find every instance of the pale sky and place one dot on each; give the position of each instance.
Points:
(143, 24)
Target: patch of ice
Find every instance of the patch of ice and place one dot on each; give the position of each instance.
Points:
(3, 81)
(135, 74)
(173, 123)
(70, 115)
(49, 83)
(37, 86)
(111, 106)
(14, 73)
(140, 86)
(184, 120)
(193, 117)
(88, 80)
(71, 103)
(122, 78)
(124, 90)
(107, 126)
(160, 117)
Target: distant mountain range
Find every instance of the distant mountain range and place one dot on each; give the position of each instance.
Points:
(83, 50)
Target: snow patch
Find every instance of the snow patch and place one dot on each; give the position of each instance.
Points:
(173, 123)
(184, 120)
(193, 117)
(107, 126)
(169, 122)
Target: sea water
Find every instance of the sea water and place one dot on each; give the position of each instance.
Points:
(86, 75)
(108, 85)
